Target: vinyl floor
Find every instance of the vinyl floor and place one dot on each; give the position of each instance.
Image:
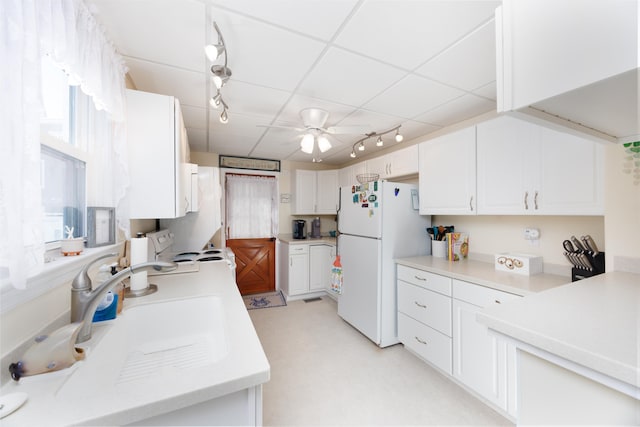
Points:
(324, 372)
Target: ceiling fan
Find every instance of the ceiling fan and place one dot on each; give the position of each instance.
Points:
(314, 130)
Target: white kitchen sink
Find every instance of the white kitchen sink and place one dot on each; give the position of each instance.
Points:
(148, 344)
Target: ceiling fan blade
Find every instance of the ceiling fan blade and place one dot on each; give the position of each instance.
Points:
(282, 127)
(349, 130)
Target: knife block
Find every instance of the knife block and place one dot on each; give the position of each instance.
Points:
(597, 262)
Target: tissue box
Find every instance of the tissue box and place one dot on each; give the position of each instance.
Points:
(525, 264)
(457, 246)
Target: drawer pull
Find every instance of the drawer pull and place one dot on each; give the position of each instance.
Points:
(420, 278)
(420, 341)
(498, 301)
(419, 305)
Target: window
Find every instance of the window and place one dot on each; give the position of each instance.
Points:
(63, 170)
(63, 195)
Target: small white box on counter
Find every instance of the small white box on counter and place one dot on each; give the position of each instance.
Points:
(519, 263)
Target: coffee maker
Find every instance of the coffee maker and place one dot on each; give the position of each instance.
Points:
(299, 228)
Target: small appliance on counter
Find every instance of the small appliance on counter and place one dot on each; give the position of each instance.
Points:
(299, 228)
(315, 228)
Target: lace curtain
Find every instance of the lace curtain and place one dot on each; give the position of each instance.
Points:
(66, 31)
(252, 206)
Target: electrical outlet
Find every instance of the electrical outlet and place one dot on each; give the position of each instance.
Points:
(531, 234)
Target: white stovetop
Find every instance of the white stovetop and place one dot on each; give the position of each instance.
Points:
(244, 366)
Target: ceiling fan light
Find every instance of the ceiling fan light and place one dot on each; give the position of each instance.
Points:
(399, 137)
(213, 51)
(379, 142)
(224, 117)
(323, 144)
(306, 144)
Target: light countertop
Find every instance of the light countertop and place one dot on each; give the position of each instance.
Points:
(594, 323)
(288, 238)
(245, 365)
(485, 274)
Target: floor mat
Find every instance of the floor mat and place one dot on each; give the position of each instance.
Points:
(264, 300)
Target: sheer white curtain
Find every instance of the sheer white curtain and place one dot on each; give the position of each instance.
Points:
(252, 206)
(67, 32)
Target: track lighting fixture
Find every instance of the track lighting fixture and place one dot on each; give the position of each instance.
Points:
(220, 73)
(379, 142)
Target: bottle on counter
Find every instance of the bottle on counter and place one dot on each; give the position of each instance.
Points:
(118, 289)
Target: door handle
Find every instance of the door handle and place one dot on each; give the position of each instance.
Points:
(526, 203)
(471, 203)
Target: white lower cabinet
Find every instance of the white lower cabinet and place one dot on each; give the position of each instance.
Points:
(424, 315)
(481, 361)
(305, 268)
(437, 322)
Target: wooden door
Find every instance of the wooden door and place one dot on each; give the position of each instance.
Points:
(255, 264)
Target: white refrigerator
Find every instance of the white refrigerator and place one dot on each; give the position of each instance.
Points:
(378, 222)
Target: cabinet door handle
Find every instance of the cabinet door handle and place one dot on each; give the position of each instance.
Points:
(526, 202)
(419, 305)
(497, 301)
(420, 341)
(420, 278)
(535, 200)
(471, 203)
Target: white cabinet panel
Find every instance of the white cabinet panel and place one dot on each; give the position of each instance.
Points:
(431, 308)
(431, 345)
(158, 152)
(447, 178)
(320, 263)
(524, 168)
(314, 192)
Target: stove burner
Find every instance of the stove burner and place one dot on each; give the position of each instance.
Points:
(188, 253)
(211, 258)
(213, 251)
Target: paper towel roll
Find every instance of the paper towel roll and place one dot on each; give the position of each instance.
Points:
(139, 248)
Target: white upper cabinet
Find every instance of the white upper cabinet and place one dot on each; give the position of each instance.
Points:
(315, 192)
(348, 174)
(447, 180)
(158, 154)
(524, 168)
(397, 163)
(581, 64)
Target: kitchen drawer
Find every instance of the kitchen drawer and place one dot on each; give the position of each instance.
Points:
(431, 308)
(298, 249)
(479, 295)
(429, 344)
(424, 279)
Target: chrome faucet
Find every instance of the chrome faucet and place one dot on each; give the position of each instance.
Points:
(85, 300)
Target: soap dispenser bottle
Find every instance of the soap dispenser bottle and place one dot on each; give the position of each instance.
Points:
(108, 306)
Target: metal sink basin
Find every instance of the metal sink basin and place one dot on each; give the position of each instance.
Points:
(151, 343)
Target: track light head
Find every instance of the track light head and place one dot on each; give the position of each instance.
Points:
(221, 75)
(213, 51)
(379, 142)
(361, 146)
(224, 117)
(216, 100)
(399, 137)
(353, 154)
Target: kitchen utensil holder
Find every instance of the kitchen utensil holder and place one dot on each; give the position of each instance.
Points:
(597, 261)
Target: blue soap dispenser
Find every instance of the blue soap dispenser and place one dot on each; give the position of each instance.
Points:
(107, 309)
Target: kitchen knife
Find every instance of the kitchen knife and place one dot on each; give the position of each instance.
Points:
(593, 245)
(577, 243)
(568, 256)
(586, 262)
(584, 241)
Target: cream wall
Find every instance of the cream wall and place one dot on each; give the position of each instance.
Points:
(622, 212)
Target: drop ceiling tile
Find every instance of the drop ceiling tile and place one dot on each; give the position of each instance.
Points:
(413, 130)
(317, 18)
(411, 96)
(176, 37)
(376, 122)
(487, 91)
(469, 64)
(347, 78)
(187, 86)
(458, 110)
(277, 144)
(263, 54)
(407, 33)
(254, 100)
(194, 117)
